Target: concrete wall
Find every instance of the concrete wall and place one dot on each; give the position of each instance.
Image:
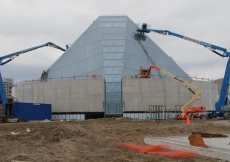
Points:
(65, 96)
(138, 94)
(219, 83)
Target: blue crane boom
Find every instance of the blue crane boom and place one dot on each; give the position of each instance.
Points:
(224, 89)
(211, 47)
(15, 54)
(10, 57)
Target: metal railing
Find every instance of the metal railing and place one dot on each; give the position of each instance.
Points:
(157, 112)
(83, 77)
(182, 77)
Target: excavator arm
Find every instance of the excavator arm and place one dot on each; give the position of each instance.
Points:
(195, 90)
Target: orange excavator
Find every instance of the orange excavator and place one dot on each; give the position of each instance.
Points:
(187, 109)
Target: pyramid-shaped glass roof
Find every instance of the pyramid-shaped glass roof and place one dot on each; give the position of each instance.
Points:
(111, 48)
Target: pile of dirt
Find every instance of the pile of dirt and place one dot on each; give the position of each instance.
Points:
(95, 140)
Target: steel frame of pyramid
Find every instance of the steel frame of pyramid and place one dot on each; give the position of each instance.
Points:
(111, 48)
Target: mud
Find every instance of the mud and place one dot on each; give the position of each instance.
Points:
(96, 140)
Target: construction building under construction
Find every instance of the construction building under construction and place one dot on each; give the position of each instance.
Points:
(98, 75)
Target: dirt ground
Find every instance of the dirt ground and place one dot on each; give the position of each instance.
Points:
(96, 140)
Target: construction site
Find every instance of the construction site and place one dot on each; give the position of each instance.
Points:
(115, 95)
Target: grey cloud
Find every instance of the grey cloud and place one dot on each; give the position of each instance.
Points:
(26, 24)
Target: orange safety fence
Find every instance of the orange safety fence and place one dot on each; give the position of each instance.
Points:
(161, 150)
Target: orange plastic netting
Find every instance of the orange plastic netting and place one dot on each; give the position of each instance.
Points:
(161, 150)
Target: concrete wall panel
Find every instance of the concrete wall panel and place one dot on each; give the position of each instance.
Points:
(138, 94)
(34, 93)
(171, 101)
(62, 96)
(144, 102)
(165, 92)
(40, 92)
(171, 86)
(95, 87)
(144, 85)
(27, 89)
(132, 102)
(214, 93)
(95, 105)
(49, 94)
(19, 92)
(78, 105)
(65, 96)
(131, 87)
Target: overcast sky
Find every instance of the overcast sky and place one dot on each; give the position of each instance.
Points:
(28, 23)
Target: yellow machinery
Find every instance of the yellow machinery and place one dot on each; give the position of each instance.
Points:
(186, 109)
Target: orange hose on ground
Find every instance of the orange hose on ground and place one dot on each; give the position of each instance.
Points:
(156, 148)
(177, 153)
(161, 150)
(131, 147)
(148, 148)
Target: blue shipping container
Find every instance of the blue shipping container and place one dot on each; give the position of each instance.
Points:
(31, 111)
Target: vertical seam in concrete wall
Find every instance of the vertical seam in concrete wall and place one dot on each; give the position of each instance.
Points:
(43, 100)
(32, 92)
(43, 90)
(213, 94)
(31, 96)
(86, 104)
(200, 86)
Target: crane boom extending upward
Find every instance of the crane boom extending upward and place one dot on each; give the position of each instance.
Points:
(15, 54)
(211, 47)
(10, 57)
(195, 90)
(225, 84)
